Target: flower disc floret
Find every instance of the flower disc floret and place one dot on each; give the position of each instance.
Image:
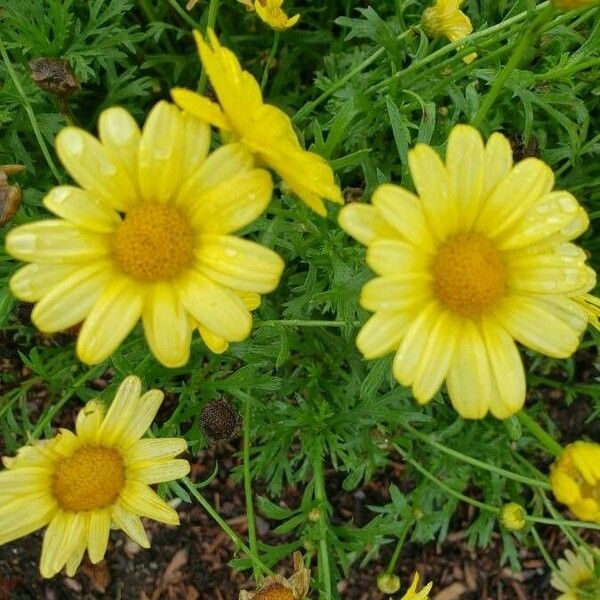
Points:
(480, 258)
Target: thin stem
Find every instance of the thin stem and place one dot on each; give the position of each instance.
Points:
(233, 536)
(394, 560)
(32, 118)
(248, 484)
(183, 14)
(477, 463)
(527, 41)
(544, 438)
(321, 497)
(542, 548)
(270, 59)
(301, 323)
(213, 10)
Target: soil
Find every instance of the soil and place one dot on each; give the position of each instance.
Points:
(191, 562)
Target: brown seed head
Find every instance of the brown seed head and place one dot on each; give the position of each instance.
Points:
(53, 75)
(220, 421)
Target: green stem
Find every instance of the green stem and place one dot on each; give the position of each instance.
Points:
(527, 41)
(183, 14)
(543, 550)
(321, 498)
(270, 59)
(213, 10)
(544, 438)
(32, 118)
(475, 462)
(233, 536)
(248, 484)
(394, 560)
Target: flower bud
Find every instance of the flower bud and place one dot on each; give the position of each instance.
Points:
(388, 583)
(512, 516)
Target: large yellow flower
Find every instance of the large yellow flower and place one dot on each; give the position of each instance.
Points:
(272, 14)
(575, 480)
(576, 577)
(482, 258)
(262, 128)
(148, 234)
(82, 484)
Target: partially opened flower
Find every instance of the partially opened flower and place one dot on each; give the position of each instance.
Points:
(272, 14)
(412, 594)
(295, 587)
(576, 576)
(149, 234)
(83, 484)
(480, 258)
(263, 129)
(445, 19)
(575, 480)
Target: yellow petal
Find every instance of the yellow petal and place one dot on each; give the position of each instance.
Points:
(122, 409)
(98, 533)
(111, 319)
(75, 558)
(239, 264)
(155, 449)
(26, 514)
(435, 358)
(70, 301)
(121, 135)
(382, 333)
(396, 292)
(220, 166)
(167, 328)
(138, 498)
(32, 282)
(94, 168)
(25, 481)
(160, 471)
(550, 325)
(63, 537)
(200, 107)
(215, 343)
(365, 224)
(131, 525)
(161, 153)
(498, 162)
(89, 421)
(432, 182)
(197, 143)
(404, 212)
(391, 257)
(82, 208)
(214, 307)
(145, 412)
(465, 164)
(507, 370)
(526, 183)
(470, 382)
(54, 241)
(234, 203)
(251, 300)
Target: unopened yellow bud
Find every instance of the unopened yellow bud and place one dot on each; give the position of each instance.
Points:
(388, 583)
(512, 516)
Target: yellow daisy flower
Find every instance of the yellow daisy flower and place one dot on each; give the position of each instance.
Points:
(263, 129)
(575, 480)
(80, 485)
(576, 578)
(277, 587)
(148, 235)
(445, 19)
(482, 258)
(272, 14)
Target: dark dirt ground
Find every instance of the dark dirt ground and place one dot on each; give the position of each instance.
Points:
(190, 562)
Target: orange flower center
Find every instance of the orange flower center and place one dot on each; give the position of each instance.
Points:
(89, 479)
(275, 591)
(153, 242)
(469, 275)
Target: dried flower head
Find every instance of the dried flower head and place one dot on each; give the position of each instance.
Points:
(10, 195)
(53, 75)
(220, 421)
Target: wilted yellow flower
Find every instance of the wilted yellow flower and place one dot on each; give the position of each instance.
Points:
(277, 587)
(575, 480)
(82, 484)
(272, 14)
(263, 129)
(412, 594)
(576, 576)
(148, 234)
(480, 259)
(572, 4)
(445, 19)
